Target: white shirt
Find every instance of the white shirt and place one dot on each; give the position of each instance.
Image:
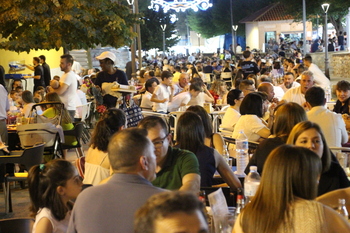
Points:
(331, 123)
(251, 125)
(200, 99)
(295, 95)
(70, 95)
(162, 91)
(181, 99)
(4, 104)
(319, 77)
(294, 84)
(279, 93)
(230, 118)
(146, 100)
(57, 226)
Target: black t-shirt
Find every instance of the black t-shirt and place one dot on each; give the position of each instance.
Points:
(249, 67)
(104, 77)
(340, 108)
(47, 74)
(208, 69)
(38, 70)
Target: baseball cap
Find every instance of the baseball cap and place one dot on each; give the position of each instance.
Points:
(106, 54)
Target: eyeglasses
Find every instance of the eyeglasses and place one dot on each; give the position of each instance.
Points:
(159, 142)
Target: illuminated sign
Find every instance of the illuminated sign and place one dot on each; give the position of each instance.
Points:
(180, 5)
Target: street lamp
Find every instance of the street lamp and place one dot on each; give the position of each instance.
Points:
(199, 41)
(325, 8)
(133, 45)
(234, 27)
(163, 28)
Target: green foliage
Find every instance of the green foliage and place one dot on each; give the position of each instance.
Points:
(217, 20)
(337, 10)
(152, 33)
(72, 24)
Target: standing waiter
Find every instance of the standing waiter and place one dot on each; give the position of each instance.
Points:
(38, 73)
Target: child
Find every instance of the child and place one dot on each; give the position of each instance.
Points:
(183, 98)
(54, 84)
(51, 187)
(163, 93)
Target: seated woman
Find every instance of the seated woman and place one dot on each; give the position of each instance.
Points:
(286, 117)
(97, 166)
(190, 136)
(219, 91)
(232, 114)
(250, 121)
(284, 199)
(211, 139)
(28, 102)
(308, 134)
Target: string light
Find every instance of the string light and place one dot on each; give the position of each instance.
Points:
(180, 5)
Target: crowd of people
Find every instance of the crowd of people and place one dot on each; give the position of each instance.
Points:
(275, 101)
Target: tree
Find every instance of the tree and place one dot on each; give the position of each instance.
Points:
(217, 20)
(152, 33)
(71, 24)
(337, 10)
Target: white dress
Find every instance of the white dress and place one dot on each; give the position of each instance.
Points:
(95, 173)
(58, 226)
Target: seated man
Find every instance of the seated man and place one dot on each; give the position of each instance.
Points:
(288, 82)
(176, 169)
(297, 94)
(171, 212)
(330, 122)
(182, 84)
(111, 207)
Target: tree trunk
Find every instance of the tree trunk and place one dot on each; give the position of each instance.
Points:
(337, 24)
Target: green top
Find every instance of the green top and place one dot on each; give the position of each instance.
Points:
(69, 140)
(178, 163)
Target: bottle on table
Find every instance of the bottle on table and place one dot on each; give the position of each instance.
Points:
(342, 209)
(226, 155)
(241, 153)
(240, 202)
(251, 183)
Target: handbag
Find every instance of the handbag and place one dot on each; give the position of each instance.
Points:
(133, 114)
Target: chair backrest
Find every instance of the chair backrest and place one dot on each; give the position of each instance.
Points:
(78, 128)
(226, 75)
(32, 156)
(85, 111)
(16, 225)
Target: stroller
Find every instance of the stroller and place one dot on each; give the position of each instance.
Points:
(42, 130)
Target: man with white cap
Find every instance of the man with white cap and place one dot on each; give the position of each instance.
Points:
(109, 74)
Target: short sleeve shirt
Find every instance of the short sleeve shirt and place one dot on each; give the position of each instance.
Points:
(249, 67)
(181, 99)
(251, 125)
(70, 96)
(162, 91)
(178, 164)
